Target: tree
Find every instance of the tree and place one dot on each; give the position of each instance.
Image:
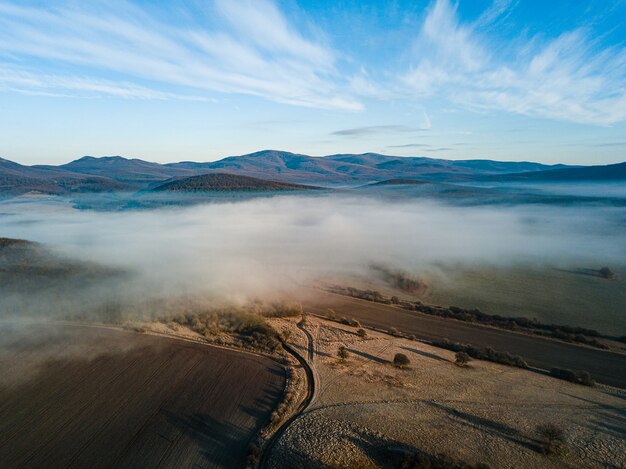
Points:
(552, 439)
(605, 272)
(342, 353)
(462, 358)
(362, 333)
(401, 360)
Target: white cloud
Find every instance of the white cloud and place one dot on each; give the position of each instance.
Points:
(255, 51)
(568, 77)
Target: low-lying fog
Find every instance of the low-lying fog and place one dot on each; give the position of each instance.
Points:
(267, 247)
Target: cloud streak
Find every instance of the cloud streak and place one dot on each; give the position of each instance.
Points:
(248, 48)
(567, 77)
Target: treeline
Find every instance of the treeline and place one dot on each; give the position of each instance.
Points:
(565, 333)
(483, 353)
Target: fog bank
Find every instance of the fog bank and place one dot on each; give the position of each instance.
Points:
(269, 247)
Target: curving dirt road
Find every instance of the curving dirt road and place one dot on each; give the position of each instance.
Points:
(308, 400)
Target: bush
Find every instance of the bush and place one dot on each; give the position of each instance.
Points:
(401, 360)
(607, 273)
(462, 358)
(362, 333)
(342, 353)
(552, 439)
(331, 315)
(578, 377)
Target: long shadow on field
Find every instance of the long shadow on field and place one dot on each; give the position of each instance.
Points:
(269, 400)
(221, 443)
(388, 453)
(489, 426)
(425, 354)
(368, 356)
(610, 419)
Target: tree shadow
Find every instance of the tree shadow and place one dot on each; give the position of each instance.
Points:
(425, 354)
(610, 419)
(490, 426)
(580, 271)
(222, 444)
(369, 356)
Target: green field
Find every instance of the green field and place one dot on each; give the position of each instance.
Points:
(561, 295)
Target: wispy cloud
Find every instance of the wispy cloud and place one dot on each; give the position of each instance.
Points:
(253, 51)
(23, 82)
(376, 129)
(372, 130)
(421, 146)
(409, 145)
(568, 77)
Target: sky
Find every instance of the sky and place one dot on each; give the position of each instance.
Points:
(201, 80)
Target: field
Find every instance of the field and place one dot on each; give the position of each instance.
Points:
(366, 411)
(93, 397)
(607, 367)
(572, 295)
(553, 294)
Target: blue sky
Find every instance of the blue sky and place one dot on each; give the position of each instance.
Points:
(201, 80)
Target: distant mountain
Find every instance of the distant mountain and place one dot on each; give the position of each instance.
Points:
(348, 168)
(128, 171)
(611, 172)
(18, 179)
(115, 173)
(222, 182)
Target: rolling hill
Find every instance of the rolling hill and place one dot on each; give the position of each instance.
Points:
(222, 182)
(133, 172)
(115, 173)
(611, 172)
(348, 168)
(18, 179)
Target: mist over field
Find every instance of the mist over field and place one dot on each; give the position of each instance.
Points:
(232, 252)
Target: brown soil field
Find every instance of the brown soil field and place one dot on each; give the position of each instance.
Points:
(95, 397)
(484, 413)
(605, 366)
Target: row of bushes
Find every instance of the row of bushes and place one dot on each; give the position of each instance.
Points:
(561, 332)
(573, 376)
(483, 353)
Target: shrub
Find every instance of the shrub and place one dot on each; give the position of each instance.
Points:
(342, 353)
(331, 315)
(552, 439)
(605, 272)
(393, 331)
(362, 333)
(401, 360)
(578, 377)
(462, 358)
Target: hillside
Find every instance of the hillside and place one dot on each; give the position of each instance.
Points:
(128, 171)
(115, 173)
(18, 179)
(348, 168)
(611, 172)
(227, 182)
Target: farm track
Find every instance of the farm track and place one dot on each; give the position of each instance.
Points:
(157, 403)
(542, 353)
(307, 402)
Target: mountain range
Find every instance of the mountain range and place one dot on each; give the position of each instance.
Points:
(115, 173)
